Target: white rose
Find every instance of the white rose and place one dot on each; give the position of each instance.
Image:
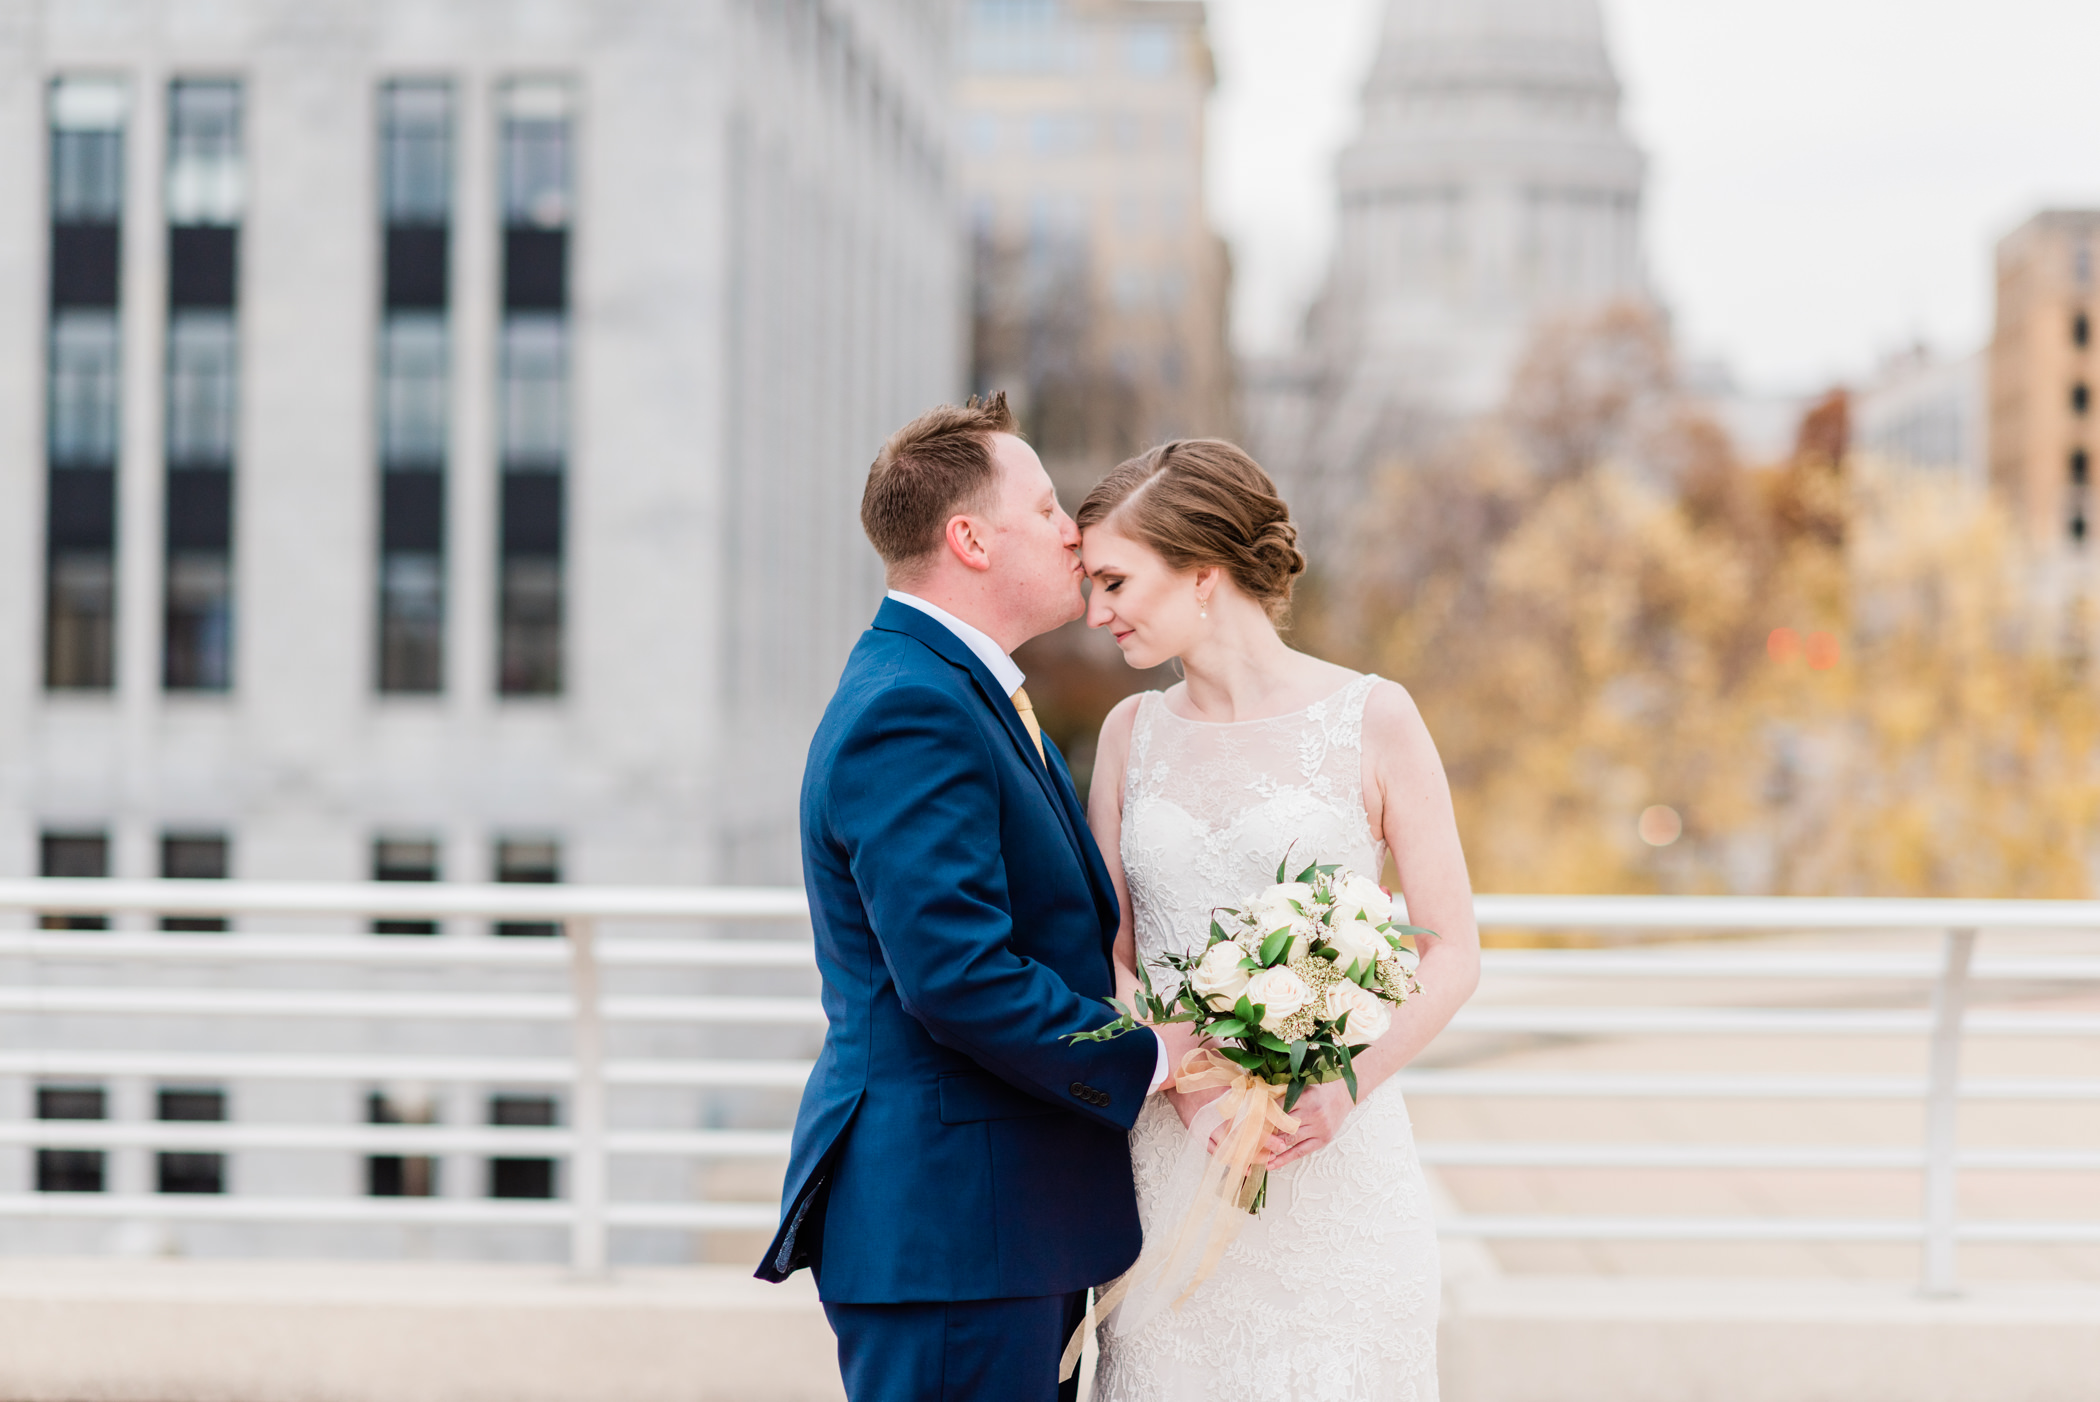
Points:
(1272, 910)
(1280, 993)
(1369, 1018)
(1360, 898)
(1218, 977)
(1356, 943)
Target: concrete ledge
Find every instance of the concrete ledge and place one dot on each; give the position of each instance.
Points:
(1586, 1339)
(248, 1331)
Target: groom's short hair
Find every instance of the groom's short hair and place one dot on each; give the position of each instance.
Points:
(937, 465)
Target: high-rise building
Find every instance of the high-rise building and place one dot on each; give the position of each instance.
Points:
(2043, 371)
(449, 419)
(1491, 187)
(1099, 287)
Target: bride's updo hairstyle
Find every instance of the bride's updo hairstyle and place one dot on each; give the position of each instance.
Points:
(1199, 502)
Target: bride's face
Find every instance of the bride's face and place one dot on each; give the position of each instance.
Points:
(1150, 608)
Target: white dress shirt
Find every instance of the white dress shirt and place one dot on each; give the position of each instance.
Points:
(1009, 676)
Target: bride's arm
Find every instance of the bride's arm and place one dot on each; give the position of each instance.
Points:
(1410, 800)
(1104, 814)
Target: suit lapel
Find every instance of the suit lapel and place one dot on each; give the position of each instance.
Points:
(902, 618)
(1089, 852)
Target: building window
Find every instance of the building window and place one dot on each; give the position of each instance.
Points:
(415, 379)
(204, 199)
(520, 1177)
(1148, 51)
(404, 859)
(193, 856)
(534, 370)
(2081, 331)
(82, 383)
(183, 1171)
(398, 1175)
(2080, 467)
(2081, 398)
(76, 856)
(71, 1170)
(534, 860)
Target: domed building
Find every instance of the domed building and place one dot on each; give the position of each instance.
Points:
(1491, 186)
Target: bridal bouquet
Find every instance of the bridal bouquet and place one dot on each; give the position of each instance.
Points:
(1290, 987)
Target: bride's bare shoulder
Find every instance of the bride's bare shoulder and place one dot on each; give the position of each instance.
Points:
(1392, 722)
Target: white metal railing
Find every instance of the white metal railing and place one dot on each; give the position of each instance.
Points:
(586, 1009)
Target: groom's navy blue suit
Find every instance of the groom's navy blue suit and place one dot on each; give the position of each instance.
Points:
(960, 1173)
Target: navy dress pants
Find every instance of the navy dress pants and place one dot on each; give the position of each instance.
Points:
(968, 1351)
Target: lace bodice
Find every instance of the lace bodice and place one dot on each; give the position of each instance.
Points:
(1209, 809)
(1331, 1293)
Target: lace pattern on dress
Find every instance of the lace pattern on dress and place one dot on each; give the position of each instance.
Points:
(1332, 1292)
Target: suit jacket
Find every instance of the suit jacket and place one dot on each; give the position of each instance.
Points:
(950, 1144)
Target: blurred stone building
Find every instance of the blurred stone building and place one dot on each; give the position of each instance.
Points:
(431, 441)
(1924, 411)
(1099, 288)
(2042, 374)
(1490, 188)
(444, 423)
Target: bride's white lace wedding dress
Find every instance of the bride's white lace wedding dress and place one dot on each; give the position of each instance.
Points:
(1331, 1293)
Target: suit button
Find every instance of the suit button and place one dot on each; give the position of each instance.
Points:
(1081, 1090)
(1101, 1098)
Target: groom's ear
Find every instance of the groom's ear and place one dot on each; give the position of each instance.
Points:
(964, 538)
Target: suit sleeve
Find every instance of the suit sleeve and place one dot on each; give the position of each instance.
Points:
(915, 807)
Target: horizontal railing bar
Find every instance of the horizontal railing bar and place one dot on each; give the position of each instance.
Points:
(438, 899)
(435, 899)
(375, 1211)
(1748, 1157)
(1785, 1022)
(731, 1010)
(1610, 1228)
(179, 1066)
(1610, 1085)
(1615, 963)
(287, 1002)
(696, 1216)
(385, 1139)
(85, 946)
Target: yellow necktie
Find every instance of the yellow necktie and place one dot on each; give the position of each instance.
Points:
(1035, 732)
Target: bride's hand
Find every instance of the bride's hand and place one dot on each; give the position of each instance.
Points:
(1321, 1112)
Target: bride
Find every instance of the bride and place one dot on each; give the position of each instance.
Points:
(1331, 1292)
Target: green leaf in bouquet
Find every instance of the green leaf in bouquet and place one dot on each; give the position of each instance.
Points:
(1245, 1011)
(1280, 866)
(1273, 947)
(1290, 1097)
(1349, 1071)
(1227, 1027)
(1241, 1057)
(1273, 1042)
(1415, 930)
(1307, 874)
(1297, 1057)
(1217, 931)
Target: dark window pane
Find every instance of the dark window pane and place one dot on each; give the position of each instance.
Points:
(530, 627)
(412, 623)
(523, 859)
(80, 622)
(190, 1173)
(521, 1178)
(395, 1176)
(199, 623)
(416, 266)
(2080, 466)
(79, 856)
(2081, 330)
(83, 510)
(200, 509)
(404, 859)
(531, 1111)
(412, 513)
(192, 1103)
(84, 265)
(193, 856)
(2081, 398)
(72, 1103)
(532, 511)
(535, 269)
(203, 267)
(74, 854)
(69, 1170)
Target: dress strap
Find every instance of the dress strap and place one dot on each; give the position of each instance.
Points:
(1345, 723)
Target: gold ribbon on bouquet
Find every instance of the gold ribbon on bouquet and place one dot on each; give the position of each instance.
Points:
(1232, 1179)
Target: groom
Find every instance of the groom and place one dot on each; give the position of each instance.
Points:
(960, 1174)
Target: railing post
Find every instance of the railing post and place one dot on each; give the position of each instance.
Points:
(1942, 1106)
(587, 1256)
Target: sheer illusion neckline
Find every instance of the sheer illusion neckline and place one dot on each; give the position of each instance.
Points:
(1167, 707)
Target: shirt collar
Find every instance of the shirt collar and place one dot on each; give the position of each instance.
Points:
(996, 662)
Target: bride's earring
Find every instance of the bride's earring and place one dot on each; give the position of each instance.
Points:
(1203, 605)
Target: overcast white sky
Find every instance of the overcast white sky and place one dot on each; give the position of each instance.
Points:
(1827, 177)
